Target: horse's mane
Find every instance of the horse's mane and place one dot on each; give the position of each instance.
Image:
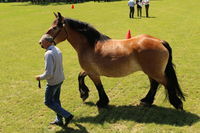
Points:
(87, 30)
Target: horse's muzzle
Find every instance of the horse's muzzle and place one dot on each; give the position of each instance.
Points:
(40, 43)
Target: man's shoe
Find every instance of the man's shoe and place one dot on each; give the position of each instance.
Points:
(68, 119)
(59, 123)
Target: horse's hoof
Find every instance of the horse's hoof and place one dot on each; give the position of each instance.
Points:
(84, 98)
(84, 95)
(101, 105)
(144, 104)
(102, 110)
(180, 108)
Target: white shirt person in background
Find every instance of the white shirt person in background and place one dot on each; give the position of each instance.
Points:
(146, 3)
(131, 4)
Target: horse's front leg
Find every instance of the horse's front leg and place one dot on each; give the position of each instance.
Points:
(103, 98)
(84, 91)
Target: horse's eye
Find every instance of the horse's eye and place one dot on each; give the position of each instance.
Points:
(54, 28)
(60, 25)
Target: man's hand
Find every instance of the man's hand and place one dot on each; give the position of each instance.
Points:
(37, 78)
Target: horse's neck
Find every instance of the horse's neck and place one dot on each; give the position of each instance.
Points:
(78, 41)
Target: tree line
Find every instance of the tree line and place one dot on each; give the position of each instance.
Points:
(52, 1)
(45, 1)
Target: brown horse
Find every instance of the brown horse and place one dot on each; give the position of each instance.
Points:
(100, 55)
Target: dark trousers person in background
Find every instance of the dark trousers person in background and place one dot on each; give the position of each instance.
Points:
(139, 11)
(139, 8)
(131, 14)
(146, 3)
(147, 10)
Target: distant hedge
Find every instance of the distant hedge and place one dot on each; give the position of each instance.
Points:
(33, 0)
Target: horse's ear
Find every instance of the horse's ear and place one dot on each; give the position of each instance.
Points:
(55, 14)
(59, 17)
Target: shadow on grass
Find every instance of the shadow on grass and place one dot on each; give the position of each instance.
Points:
(143, 17)
(155, 114)
(71, 130)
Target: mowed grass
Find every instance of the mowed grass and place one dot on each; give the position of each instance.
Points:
(21, 58)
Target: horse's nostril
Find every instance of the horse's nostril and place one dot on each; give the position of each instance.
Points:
(39, 42)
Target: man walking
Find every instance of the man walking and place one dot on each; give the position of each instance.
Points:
(54, 76)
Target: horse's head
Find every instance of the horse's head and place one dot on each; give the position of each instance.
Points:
(57, 29)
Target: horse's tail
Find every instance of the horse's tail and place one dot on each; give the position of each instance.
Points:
(172, 81)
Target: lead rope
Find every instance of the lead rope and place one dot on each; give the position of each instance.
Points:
(39, 84)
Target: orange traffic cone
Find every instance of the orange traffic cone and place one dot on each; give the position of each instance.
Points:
(128, 35)
(72, 6)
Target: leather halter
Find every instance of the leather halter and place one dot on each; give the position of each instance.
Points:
(63, 26)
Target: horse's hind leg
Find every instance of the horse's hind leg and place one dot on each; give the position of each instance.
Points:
(84, 91)
(173, 98)
(149, 98)
(103, 98)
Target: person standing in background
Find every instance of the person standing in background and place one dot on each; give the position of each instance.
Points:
(146, 3)
(139, 8)
(131, 4)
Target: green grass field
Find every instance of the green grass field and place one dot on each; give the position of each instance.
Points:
(21, 58)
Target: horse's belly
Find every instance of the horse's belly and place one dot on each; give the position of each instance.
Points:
(118, 68)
